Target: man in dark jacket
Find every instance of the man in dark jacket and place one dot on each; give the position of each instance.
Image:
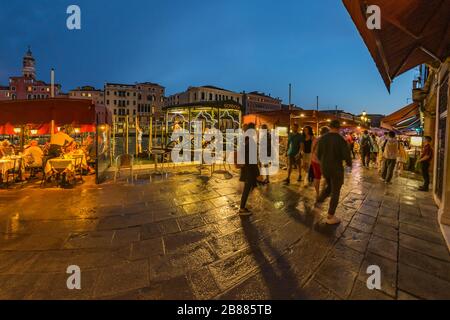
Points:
(332, 150)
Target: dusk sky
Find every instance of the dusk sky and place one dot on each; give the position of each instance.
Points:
(236, 44)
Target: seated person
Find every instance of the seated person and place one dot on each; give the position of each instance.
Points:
(34, 155)
(6, 149)
(73, 150)
(90, 149)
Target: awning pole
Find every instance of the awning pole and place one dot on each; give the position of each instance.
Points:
(126, 134)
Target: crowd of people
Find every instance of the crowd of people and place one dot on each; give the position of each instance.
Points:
(325, 155)
(36, 156)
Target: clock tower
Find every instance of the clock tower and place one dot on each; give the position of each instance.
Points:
(29, 65)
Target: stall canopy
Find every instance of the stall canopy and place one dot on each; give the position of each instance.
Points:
(412, 32)
(39, 114)
(405, 121)
(283, 118)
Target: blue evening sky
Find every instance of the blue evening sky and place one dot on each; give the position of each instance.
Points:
(236, 44)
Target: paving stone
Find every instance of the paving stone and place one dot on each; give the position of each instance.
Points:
(350, 257)
(355, 239)
(229, 243)
(386, 232)
(17, 262)
(393, 222)
(96, 239)
(315, 291)
(422, 284)
(361, 224)
(388, 270)
(178, 241)
(53, 286)
(335, 275)
(404, 296)
(421, 233)
(426, 263)
(253, 288)
(190, 222)
(361, 292)
(383, 247)
(126, 236)
(147, 248)
(425, 247)
(229, 271)
(388, 213)
(122, 278)
(203, 285)
(369, 210)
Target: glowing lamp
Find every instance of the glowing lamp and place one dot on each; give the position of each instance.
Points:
(17, 130)
(77, 130)
(34, 132)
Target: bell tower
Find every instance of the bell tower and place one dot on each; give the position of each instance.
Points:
(29, 65)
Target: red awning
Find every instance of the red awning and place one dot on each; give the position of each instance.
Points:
(412, 32)
(62, 111)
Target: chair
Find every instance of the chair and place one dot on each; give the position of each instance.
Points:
(12, 172)
(78, 166)
(124, 161)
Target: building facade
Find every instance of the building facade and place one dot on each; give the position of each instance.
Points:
(88, 93)
(27, 87)
(4, 93)
(432, 92)
(203, 94)
(255, 102)
(137, 101)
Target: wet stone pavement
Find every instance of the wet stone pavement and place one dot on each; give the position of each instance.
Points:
(181, 238)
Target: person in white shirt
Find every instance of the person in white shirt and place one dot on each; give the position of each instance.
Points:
(34, 154)
(57, 141)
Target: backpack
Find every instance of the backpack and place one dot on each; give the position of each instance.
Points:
(391, 149)
(365, 143)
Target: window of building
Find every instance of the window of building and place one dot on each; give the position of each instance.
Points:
(203, 96)
(210, 96)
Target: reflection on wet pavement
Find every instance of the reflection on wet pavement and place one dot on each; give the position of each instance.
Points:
(179, 237)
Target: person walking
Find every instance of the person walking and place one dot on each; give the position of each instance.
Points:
(249, 171)
(293, 153)
(315, 163)
(308, 140)
(269, 151)
(332, 150)
(374, 150)
(390, 154)
(402, 158)
(425, 162)
(351, 143)
(365, 147)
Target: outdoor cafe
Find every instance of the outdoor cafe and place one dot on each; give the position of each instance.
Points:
(55, 141)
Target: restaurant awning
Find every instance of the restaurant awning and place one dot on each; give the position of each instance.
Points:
(405, 121)
(412, 32)
(283, 118)
(62, 111)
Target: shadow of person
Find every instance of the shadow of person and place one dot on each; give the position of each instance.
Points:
(277, 274)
